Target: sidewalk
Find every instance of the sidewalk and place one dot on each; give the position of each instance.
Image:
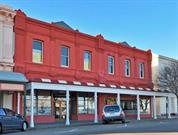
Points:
(61, 124)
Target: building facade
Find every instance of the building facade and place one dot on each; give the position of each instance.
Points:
(159, 62)
(11, 83)
(72, 75)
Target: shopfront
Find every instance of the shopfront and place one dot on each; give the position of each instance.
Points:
(48, 102)
(128, 104)
(43, 106)
(52, 105)
(12, 86)
(83, 107)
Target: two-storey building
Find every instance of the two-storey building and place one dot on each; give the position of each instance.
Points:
(72, 75)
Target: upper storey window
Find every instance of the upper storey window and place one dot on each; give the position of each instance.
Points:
(87, 60)
(64, 56)
(127, 68)
(110, 65)
(141, 70)
(37, 51)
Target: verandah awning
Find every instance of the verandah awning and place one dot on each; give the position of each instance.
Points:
(8, 76)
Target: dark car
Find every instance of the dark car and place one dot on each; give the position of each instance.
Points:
(113, 113)
(10, 120)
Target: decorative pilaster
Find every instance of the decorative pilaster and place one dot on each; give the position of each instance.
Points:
(7, 15)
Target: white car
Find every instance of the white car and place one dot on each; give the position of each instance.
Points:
(113, 113)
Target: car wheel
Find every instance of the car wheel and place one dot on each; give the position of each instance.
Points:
(1, 129)
(24, 126)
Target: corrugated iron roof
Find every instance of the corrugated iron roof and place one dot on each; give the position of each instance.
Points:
(63, 24)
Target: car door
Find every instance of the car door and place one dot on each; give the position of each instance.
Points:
(18, 120)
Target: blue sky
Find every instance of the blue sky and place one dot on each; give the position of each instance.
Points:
(146, 24)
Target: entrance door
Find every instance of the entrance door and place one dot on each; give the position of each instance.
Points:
(60, 107)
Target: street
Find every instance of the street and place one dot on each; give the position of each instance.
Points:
(153, 127)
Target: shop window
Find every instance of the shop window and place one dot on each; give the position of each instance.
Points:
(85, 105)
(145, 106)
(110, 101)
(37, 54)
(64, 56)
(87, 60)
(42, 103)
(28, 104)
(129, 106)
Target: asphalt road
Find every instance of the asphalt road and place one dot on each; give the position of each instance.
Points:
(153, 127)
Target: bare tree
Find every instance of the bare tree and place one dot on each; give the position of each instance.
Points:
(168, 79)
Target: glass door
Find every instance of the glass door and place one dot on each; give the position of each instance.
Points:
(60, 108)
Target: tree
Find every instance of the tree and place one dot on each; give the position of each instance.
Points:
(168, 78)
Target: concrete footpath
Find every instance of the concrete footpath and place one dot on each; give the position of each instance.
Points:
(132, 127)
(61, 124)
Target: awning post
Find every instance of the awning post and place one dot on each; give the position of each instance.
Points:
(32, 107)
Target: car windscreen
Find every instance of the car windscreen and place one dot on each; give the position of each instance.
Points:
(112, 109)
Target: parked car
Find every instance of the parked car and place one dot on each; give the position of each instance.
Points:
(10, 120)
(113, 113)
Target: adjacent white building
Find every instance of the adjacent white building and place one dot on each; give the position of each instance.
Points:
(11, 83)
(159, 62)
(7, 15)
(6, 49)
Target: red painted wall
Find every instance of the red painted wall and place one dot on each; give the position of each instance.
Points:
(14, 103)
(42, 119)
(83, 117)
(26, 29)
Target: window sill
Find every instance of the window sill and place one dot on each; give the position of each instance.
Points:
(87, 70)
(111, 74)
(64, 66)
(38, 63)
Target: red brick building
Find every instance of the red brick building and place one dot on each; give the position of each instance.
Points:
(72, 75)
